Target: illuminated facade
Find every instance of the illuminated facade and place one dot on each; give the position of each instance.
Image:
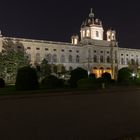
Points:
(91, 51)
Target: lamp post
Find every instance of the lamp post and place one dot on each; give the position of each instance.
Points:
(133, 75)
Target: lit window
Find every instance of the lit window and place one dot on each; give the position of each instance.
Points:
(83, 33)
(87, 33)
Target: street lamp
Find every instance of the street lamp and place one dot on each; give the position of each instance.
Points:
(133, 75)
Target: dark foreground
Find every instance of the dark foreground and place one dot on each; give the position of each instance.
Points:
(72, 117)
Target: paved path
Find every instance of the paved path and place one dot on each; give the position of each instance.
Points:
(71, 117)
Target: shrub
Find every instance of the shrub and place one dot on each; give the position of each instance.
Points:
(76, 75)
(52, 81)
(26, 79)
(92, 75)
(2, 83)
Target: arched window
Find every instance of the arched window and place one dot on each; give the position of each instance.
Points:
(37, 57)
(77, 59)
(127, 61)
(29, 57)
(132, 61)
(62, 59)
(95, 58)
(87, 33)
(54, 58)
(48, 57)
(108, 59)
(122, 61)
(97, 34)
(83, 32)
(101, 59)
(70, 58)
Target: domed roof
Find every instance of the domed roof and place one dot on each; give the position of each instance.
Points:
(91, 20)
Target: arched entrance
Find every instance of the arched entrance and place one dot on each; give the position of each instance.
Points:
(98, 72)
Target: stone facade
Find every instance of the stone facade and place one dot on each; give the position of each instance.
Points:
(91, 52)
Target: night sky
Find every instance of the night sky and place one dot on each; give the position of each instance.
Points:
(57, 20)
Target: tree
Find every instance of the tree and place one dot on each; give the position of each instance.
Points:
(12, 57)
(76, 75)
(45, 69)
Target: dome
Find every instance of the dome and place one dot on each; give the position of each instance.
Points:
(91, 20)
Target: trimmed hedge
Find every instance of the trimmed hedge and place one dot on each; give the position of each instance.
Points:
(27, 79)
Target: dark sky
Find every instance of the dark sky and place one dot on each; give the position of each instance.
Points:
(57, 20)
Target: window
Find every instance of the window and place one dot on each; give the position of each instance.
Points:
(107, 52)
(122, 61)
(87, 33)
(77, 51)
(101, 59)
(48, 57)
(28, 48)
(94, 51)
(46, 49)
(70, 50)
(121, 54)
(95, 58)
(83, 33)
(101, 51)
(54, 58)
(29, 57)
(62, 50)
(97, 34)
(62, 59)
(127, 61)
(19, 47)
(37, 57)
(54, 49)
(70, 58)
(37, 48)
(108, 59)
(77, 59)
